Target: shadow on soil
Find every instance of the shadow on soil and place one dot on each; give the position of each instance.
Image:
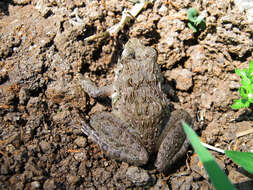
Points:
(247, 115)
(4, 6)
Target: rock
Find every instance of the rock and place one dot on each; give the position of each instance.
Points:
(43, 8)
(101, 175)
(137, 176)
(196, 62)
(23, 96)
(80, 156)
(211, 133)
(182, 183)
(82, 171)
(45, 146)
(72, 179)
(160, 185)
(81, 142)
(183, 78)
(35, 185)
(4, 169)
(163, 10)
(21, 2)
(49, 184)
(247, 6)
(206, 100)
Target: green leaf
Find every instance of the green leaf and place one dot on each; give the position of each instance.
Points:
(243, 159)
(192, 14)
(251, 67)
(246, 88)
(190, 25)
(243, 75)
(238, 104)
(243, 92)
(195, 22)
(217, 176)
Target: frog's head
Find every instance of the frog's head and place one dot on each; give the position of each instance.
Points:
(134, 49)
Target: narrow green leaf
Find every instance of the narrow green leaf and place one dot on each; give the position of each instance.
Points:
(251, 67)
(190, 25)
(217, 176)
(243, 159)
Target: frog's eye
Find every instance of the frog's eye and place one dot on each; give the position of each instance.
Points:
(150, 53)
(129, 53)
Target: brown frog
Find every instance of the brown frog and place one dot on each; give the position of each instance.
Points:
(141, 122)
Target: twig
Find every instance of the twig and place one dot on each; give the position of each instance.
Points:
(242, 133)
(213, 148)
(126, 17)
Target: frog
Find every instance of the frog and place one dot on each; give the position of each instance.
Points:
(141, 122)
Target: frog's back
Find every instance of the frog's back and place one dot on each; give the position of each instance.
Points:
(140, 100)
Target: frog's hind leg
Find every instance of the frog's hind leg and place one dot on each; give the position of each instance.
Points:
(173, 143)
(112, 135)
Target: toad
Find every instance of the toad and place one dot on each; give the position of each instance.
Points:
(141, 122)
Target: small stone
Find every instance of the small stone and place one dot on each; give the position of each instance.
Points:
(163, 10)
(206, 100)
(82, 171)
(196, 61)
(80, 156)
(23, 96)
(137, 176)
(49, 184)
(81, 142)
(4, 169)
(72, 179)
(42, 8)
(237, 176)
(35, 185)
(45, 146)
(21, 2)
(183, 78)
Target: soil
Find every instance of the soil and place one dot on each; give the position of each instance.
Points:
(42, 49)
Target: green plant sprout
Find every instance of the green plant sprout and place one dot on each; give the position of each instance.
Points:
(215, 173)
(246, 88)
(196, 21)
(217, 176)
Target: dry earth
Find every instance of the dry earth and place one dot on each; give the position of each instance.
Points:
(42, 49)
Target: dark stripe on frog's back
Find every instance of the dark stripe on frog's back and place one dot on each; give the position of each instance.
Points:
(143, 110)
(140, 101)
(136, 73)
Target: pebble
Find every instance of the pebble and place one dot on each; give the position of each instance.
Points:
(81, 142)
(35, 185)
(49, 184)
(247, 6)
(183, 78)
(45, 146)
(137, 176)
(72, 179)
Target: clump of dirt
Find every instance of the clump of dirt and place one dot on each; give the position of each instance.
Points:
(42, 50)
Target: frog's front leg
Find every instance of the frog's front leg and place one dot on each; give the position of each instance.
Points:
(173, 143)
(112, 135)
(92, 90)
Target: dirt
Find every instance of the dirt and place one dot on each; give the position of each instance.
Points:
(42, 49)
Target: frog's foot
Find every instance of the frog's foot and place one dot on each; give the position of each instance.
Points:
(92, 90)
(112, 135)
(173, 143)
